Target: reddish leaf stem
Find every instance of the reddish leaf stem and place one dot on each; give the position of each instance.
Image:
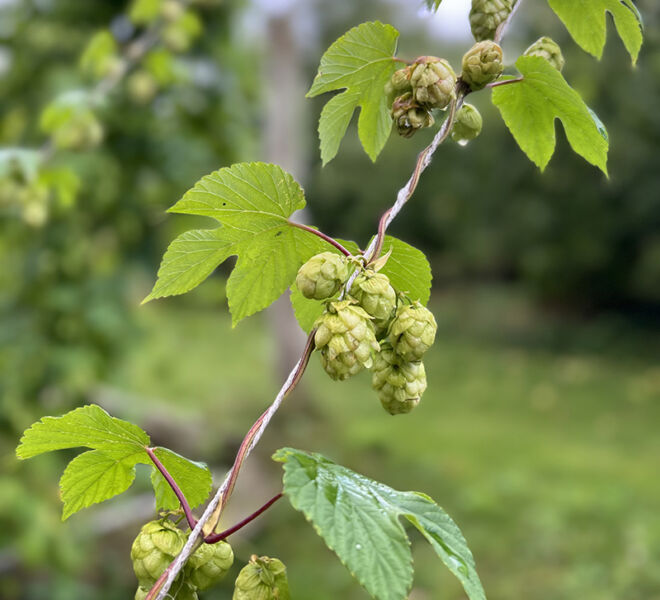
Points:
(218, 537)
(175, 488)
(505, 82)
(323, 236)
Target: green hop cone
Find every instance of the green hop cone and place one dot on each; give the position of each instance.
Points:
(482, 64)
(399, 383)
(547, 48)
(409, 116)
(375, 294)
(399, 83)
(487, 15)
(154, 548)
(209, 564)
(322, 276)
(412, 331)
(433, 82)
(467, 125)
(183, 591)
(262, 578)
(345, 336)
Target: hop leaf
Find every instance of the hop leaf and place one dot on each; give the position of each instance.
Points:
(345, 336)
(413, 331)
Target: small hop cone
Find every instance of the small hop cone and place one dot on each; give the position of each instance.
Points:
(262, 578)
(153, 550)
(399, 83)
(209, 564)
(547, 48)
(482, 64)
(346, 338)
(467, 125)
(412, 331)
(400, 384)
(433, 82)
(376, 295)
(409, 116)
(322, 276)
(487, 15)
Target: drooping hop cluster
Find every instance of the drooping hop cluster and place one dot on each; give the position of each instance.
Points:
(467, 125)
(427, 84)
(399, 383)
(487, 15)
(156, 546)
(346, 338)
(482, 64)
(262, 578)
(376, 296)
(547, 48)
(322, 276)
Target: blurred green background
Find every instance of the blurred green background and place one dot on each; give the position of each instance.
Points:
(538, 433)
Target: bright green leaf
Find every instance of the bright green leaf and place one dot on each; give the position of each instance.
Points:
(529, 109)
(100, 54)
(408, 269)
(144, 12)
(95, 476)
(586, 22)
(193, 478)
(360, 62)
(360, 520)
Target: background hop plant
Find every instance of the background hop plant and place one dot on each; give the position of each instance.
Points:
(209, 564)
(154, 548)
(487, 15)
(547, 48)
(399, 383)
(412, 331)
(346, 338)
(376, 295)
(433, 82)
(467, 125)
(262, 578)
(322, 276)
(482, 64)
(409, 116)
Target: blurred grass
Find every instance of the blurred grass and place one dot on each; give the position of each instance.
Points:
(538, 434)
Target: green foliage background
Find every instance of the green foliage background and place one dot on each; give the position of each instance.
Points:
(552, 280)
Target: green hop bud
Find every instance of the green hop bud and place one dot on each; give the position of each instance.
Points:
(375, 294)
(322, 276)
(184, 591)
(400, 80)
(412, 332)
(154, 548)
(467, 125)
(400, 384)
(345, 336)
(409, 116)
(262, 578)
(209, 564)
(482, 64)
(547, 48)
(433, 82)
(487, 15)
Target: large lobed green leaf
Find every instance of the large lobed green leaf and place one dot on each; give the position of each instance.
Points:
(360, 62)
(586, 21)
(529, 109)
(108, 468)
(360, 520)
(253, 203)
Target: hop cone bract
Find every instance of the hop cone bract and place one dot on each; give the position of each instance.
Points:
(375, 294)
(433, 82)
(409, 116)
(487, 15)
(209, 564)
(154, 548)
(345, 336)
(482, 64)
(322, 276)
(547, 48)
(262, 578)
(412, 332)
(467, 125)
(399, 383)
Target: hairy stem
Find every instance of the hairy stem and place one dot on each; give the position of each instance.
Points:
(175, 488)
(218, 537)
(323, 236)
